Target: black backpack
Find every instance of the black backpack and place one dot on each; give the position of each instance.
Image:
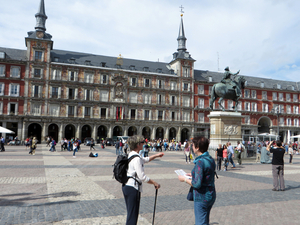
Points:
(121, 167)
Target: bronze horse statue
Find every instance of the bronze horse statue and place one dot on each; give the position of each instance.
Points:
(227, 91)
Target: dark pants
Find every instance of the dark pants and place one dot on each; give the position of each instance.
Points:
(239, 157)
(219, 162)
(277, 171)
(132, 201)
(291, 158)
(2, 147)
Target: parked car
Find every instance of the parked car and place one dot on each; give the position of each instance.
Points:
(123, 138)
(87, 141)
(109, 142)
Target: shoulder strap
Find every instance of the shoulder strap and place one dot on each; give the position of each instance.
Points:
(132, 157)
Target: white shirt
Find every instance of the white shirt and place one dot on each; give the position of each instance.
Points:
(136, 168)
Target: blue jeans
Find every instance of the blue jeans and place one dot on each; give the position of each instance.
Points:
(74, 150)
(202, 211)
(121, 150)
(230, 160)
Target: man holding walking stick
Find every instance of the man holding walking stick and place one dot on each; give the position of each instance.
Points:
(133, 188)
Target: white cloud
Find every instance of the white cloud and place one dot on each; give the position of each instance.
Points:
(259, 37)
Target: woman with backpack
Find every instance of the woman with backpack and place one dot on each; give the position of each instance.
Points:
(133, 188)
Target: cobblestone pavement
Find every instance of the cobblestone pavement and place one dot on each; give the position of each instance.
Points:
(55, 188)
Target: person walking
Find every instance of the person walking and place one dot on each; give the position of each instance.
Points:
(278, 151)
(219, 157)
(230, 154)
(291, 152)
(187, 153)
(2, 141)
(225, 157)
(121, 147)
(92, 145)
(75, 148)
(258, 153)
(117, 145)
(30, 145)
(53, 143)
(202, 180)
(33, 146)
(239, 153)
(134, 186)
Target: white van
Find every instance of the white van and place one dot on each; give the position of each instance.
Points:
(123, 138)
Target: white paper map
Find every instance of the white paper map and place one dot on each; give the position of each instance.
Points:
(182, 173)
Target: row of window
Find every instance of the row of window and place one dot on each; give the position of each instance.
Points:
(253, 107)
(252, 94)
(14, 89)
(72, 111)
(12, 108)
(89, 78)
(15, 71)
(288, 121)
(72, 93)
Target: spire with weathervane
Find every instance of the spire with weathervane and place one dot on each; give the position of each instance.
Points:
(182, 52)
(181, 37)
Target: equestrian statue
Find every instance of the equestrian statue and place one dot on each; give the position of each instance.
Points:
(228, 88)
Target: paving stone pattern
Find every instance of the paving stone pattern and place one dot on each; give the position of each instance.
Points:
(55, 188)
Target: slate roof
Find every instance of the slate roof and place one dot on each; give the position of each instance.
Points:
(97, 60)
(203, 76)
(14, 54)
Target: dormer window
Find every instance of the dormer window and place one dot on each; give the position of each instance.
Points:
(278, 86)
(262, 84)
(72, 61)
(87, 62)
(132, 67)
(56, 59)
(2, 55)
(159, 70)
(171, 71)
(146, 69)
(118, 66)
(209, 79)
(103, 64)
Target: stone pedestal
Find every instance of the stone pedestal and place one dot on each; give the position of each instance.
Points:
(225, 127)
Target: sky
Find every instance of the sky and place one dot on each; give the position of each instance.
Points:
(258, 37)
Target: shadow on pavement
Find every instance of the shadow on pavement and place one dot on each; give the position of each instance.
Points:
(23, 201)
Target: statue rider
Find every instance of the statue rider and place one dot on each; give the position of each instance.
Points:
(227, 80)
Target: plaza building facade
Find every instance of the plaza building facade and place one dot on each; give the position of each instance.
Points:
(70, 94)
(45, 91)
(270, 108)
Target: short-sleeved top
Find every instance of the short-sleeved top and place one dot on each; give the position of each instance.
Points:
(278, 154)
(225, 153)
(219, 152)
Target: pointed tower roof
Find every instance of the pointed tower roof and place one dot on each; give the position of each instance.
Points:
(182, 52)
(40, 27)
(181, 37)
(41, 18)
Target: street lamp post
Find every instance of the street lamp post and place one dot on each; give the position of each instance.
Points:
(276, 111)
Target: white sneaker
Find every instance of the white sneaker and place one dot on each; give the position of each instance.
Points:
(74, 156)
